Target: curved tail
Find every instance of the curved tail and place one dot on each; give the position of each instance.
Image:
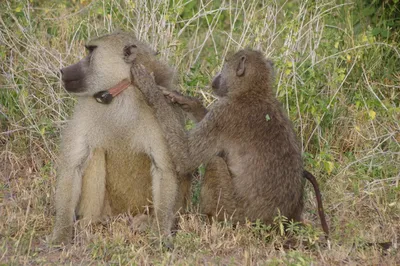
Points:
(321, 212)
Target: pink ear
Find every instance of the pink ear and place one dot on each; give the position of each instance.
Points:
(241, 67)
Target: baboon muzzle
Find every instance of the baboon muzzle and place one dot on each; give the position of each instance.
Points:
(73, 77)
(216, 81)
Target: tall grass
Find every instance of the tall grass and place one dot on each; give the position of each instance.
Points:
(338, 80)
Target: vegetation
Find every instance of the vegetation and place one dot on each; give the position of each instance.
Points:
(337, 74)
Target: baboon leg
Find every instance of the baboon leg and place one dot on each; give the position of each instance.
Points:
(69, 183)
(165, 190)
(106, 211)
(183, 197)
(217, 197)
(92, 198)
(66, 200)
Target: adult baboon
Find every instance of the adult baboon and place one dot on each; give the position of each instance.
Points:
(114, 157)
(259, 170)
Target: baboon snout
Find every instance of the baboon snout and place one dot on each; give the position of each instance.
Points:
(73, 77)
(216, 81)
(219, 87)
(72, 72)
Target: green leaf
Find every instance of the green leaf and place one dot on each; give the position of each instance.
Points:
(329, 166)
(376, 31)
(368, 11)
(372, 114)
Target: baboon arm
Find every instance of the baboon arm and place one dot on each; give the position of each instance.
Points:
(165, 191)
(187, 151)
(191, 105)
(166, 115)
(75, 153)
(203, 142)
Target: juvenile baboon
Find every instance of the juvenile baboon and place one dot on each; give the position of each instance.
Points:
(114, 157)
(259, 170)
(217, 167)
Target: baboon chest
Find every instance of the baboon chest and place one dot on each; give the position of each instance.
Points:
(128, 181)
(120, 133)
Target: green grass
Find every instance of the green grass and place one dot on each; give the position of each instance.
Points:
(337, 74)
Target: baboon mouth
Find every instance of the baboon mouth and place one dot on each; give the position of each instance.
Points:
(69, 79)
(76, 85)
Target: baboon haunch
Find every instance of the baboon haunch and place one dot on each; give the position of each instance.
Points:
(114, 157)
(261, 171)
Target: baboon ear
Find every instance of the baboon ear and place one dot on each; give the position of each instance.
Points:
(130, 53)
(241, 66)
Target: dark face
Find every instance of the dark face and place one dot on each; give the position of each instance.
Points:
(232, 70)
(74, 75)
(219, 86)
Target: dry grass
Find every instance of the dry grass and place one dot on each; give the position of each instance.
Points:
(340, 88)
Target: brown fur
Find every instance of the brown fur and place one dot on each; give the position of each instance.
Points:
(217, 168)
(114, 158)
(262, 170)
(217, 188)
(262, 154)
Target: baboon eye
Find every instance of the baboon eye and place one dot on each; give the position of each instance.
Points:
(90, 48)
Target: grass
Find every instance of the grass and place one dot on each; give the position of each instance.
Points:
(337, 74)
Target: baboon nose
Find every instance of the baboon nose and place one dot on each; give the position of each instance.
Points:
(61, 73)
(215, 83)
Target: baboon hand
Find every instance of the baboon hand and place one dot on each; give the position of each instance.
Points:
(144, 81)
(170, 96)
(188, 104)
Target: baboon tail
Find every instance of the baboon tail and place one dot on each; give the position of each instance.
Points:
(321, 212)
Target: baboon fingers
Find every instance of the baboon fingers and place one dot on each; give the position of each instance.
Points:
(180, 99)
(167, 93)
(186, 107)
(168, 96)
(186, 103)
(171, 94)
